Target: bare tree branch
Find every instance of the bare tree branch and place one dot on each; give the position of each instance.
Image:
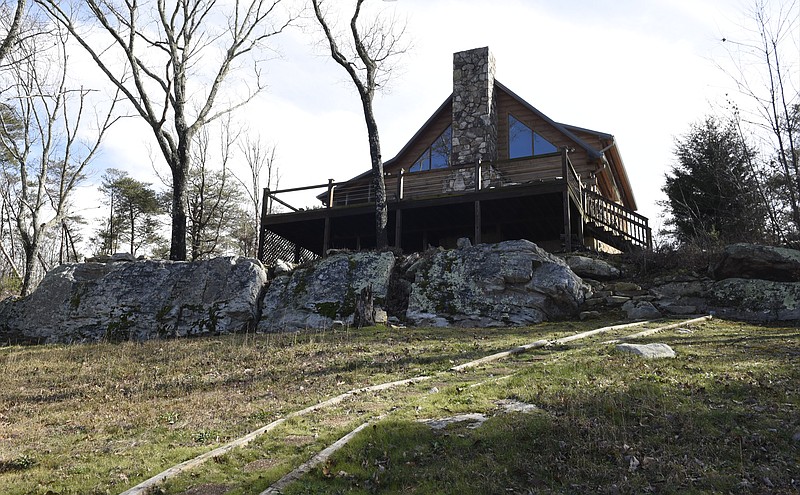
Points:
(164, 71)
(373, 46)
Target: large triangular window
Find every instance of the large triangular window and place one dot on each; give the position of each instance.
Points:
(438, 155)
(524, 142)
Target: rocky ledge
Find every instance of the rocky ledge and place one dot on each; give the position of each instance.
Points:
(748, 282)
(84, 302)
(506, 284)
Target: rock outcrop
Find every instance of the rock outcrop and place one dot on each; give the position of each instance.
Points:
(748, 282)
(593, 268)
(505, 284)
(509, 283)
(753, 261)
(755, 300)
(83, 302)
(315, 296)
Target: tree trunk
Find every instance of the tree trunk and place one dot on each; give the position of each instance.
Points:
(381, 209)
(133, 230)
(13, 30)
(177, 249)
(365, 309)
(31, 251)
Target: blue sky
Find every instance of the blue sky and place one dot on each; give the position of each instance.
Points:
(640, 70)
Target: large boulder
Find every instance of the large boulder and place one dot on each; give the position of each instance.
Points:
(755, 261)
(509, 283)
(84, 302)
(317, 295)
(641, 310)
(593, 268)
(755, 300)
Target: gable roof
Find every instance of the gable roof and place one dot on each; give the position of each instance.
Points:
(617, 169)
(561, 127)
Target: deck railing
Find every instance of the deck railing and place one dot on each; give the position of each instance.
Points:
(462, 179)
(617, 220)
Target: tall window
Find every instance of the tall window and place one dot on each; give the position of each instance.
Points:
(524, 142)
(438, 155)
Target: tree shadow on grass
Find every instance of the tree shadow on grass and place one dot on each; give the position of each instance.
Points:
(718, 419)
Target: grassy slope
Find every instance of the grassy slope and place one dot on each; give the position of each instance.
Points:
(100, 418)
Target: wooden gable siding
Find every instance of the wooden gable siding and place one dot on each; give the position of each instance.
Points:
(606, 183)
(413, 150)
(590, 138)
(508, 105)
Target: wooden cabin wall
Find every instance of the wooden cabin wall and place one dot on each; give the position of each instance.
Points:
(605, 180)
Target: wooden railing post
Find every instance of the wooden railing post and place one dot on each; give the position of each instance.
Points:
(478, 219)
(400, 180)
(478, 175)
(567, 219)
(331, 187)
(326, 235)
(398, 214)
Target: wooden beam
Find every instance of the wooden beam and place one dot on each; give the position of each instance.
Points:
(326, 237)
(398, 228)
(659, 329)
(478, 222)
(262, 238)
(567, 219)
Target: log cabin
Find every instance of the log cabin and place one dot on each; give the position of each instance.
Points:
(486, 165)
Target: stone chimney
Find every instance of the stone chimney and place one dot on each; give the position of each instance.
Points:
(474, 107)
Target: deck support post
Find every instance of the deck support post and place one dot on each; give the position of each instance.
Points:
(398, 228)
(326, 239)
(567, 219)
(478, 222)
(478, 186)
(262, 237)
(582, 220)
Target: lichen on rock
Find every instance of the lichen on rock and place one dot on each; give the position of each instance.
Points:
(509, 283)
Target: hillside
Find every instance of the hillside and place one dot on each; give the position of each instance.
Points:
(720, 417)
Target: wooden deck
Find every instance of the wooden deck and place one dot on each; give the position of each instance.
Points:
(533, 198)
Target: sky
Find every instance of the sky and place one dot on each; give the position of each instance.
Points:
(642, 70)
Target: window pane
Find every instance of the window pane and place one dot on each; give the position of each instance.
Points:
(438, 155)
(440, 151)
(520, 139)
(424, 162)
(542, 146)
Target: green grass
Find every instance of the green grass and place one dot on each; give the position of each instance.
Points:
(720, 418)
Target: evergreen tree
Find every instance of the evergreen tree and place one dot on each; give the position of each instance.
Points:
(712, 191)
(132, 220)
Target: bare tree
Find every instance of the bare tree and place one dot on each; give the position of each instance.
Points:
(212, 193)
(12, 30)
(263, 167)
(367, 54)
(44, 151)
(178, 59)
(765, 69)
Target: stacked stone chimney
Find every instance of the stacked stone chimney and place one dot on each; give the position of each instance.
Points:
(474, 107)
